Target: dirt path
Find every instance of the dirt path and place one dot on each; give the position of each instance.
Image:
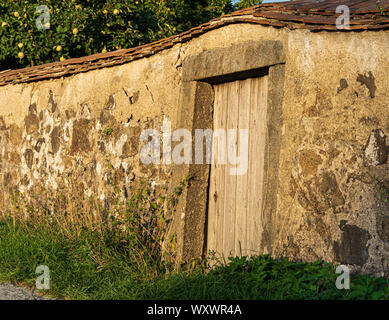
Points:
(13, 292)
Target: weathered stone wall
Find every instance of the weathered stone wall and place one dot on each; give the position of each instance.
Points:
(330, 205)
(81, 135)
(334, 115)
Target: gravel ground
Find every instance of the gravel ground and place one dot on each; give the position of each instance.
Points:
(13, 292)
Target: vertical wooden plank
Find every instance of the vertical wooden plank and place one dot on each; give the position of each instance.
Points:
(242, 182)
(252, 164)
(221, 168)
(260, 159)
(212, 211)
(230, 180)
(257, 129)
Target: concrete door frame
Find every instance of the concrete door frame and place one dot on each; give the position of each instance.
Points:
(200, 72)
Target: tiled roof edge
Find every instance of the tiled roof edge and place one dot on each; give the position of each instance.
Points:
(302, 14)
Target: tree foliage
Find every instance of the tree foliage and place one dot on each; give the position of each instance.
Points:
(84, 27)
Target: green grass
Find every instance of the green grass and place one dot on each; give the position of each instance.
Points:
(86, 266)
(263, 278)
(90, 265)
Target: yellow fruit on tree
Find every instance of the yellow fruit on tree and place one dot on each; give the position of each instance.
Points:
(62, 58)
(75, 31)
(16, 14)
(116, 12)
(21, 55)
(20, 45)
(58, 48)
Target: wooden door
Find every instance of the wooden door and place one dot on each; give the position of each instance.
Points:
(235, 204)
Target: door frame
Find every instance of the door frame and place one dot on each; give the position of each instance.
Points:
(240, 61)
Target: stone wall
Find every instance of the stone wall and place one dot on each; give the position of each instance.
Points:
(332, 162)
(335, 120)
